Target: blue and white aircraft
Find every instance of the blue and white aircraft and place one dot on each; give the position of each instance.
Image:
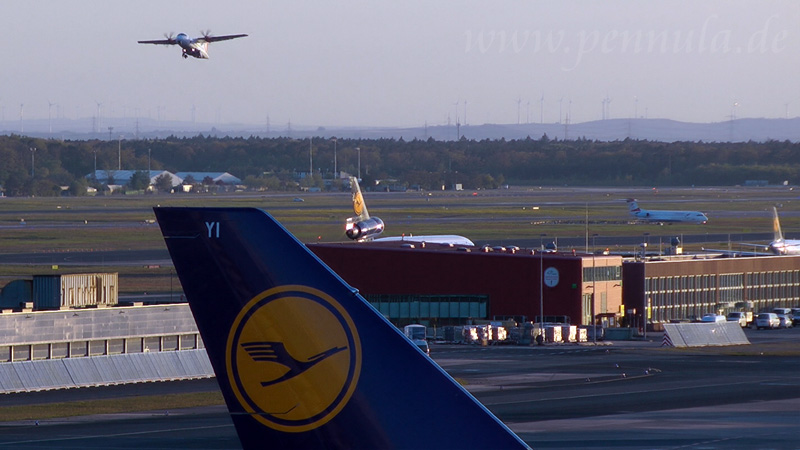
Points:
(302, 359)
(196, 47)
(650, 215)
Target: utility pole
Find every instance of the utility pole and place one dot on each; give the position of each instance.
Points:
(335, 167)
(33, 151)
(119, 153)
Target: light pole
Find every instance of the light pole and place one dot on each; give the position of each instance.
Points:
(33, 151)
(148, 162)
(335, 168)
(119, 153)
(541, 284)
(594, 289)
(646, 308)
(359, 163)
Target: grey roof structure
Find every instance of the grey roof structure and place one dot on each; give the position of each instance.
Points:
(122, 177)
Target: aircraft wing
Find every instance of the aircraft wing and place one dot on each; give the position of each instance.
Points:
(736, 253)
(220, 38)
(160, 42)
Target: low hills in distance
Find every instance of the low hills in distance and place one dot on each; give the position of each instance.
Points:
(660, 130)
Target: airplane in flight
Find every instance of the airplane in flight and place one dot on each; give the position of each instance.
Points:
(196, 47)
(302, 359)
(362, 227)
(650, 215)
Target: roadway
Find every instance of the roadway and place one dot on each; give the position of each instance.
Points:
(633, 395)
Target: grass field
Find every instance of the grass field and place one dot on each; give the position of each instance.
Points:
(109, 406)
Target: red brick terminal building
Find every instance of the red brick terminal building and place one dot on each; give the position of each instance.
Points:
(443, 285)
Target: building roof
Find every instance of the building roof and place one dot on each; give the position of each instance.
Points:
(218, 177)
(124, 176)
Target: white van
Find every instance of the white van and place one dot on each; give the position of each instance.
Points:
(738, 316)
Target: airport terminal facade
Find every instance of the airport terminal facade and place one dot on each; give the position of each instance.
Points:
(439, 285)
(680, 288)
(446, 286)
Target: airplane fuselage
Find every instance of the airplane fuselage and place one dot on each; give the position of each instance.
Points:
(192, 47)
(664, 216)
(785, 247)
(670, 216)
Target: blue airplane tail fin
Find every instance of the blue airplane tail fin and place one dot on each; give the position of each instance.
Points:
(302, 360)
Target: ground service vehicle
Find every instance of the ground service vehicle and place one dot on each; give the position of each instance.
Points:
(738, 317)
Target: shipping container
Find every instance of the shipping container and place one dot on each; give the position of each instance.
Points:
(74, 290)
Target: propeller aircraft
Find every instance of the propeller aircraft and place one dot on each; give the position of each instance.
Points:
(196, 47)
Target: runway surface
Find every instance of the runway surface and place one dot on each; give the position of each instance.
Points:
(632, 395)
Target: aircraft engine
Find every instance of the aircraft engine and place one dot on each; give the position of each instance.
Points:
(360, 230)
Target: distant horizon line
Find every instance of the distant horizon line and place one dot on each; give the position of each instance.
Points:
(7, 127)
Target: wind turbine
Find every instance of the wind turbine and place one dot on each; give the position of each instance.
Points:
(528, 112)
(50, 116)
(606, 101)
(97, 125)
(541, 109)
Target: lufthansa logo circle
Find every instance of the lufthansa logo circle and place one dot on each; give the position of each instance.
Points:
(293, 358)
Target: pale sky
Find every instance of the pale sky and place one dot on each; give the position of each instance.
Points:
(381, 63)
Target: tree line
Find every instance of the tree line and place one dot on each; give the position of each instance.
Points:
(32, 166)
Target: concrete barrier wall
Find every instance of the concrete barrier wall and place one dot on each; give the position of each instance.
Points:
(30, 376)
(705, 334)
(95, 324)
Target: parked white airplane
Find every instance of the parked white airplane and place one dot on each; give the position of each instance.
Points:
(197, 47)
(362, 227)
(650, 215)
(779, 245)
